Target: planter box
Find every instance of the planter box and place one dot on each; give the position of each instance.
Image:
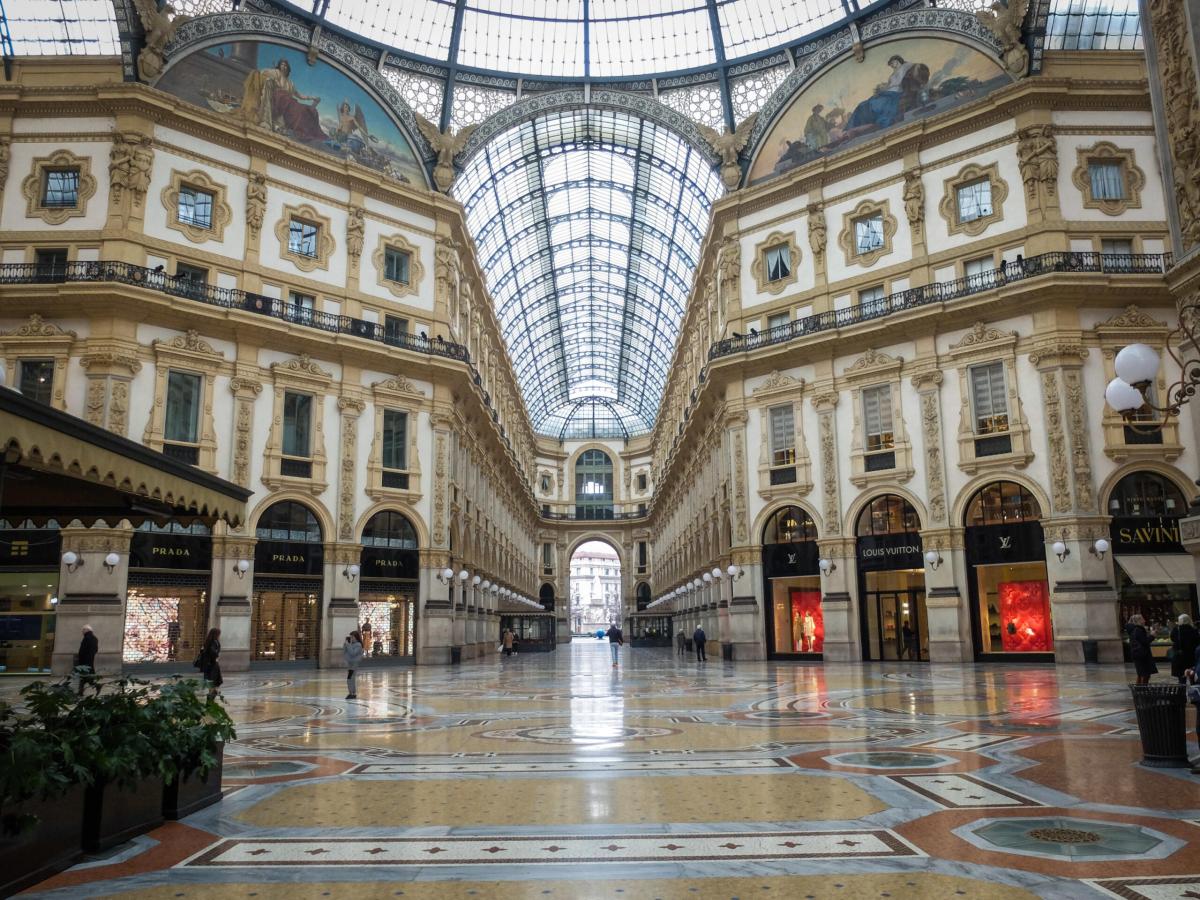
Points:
(113, 815)
(182, 797)
(48, 848)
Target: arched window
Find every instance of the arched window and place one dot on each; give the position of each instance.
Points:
(390, 529)
(790, 525)
(1146, 494)
(593, 485)
(642, 593)
(889, 514)
(289, 521)
(1002, 503)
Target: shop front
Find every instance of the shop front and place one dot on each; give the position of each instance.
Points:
(1009, 590)
(792, 585)
(1155, 576)
(650, 630)
(167, 598)
(535, 632)
(891, 581)
(29, 555)
(288, 584)
(387, 597)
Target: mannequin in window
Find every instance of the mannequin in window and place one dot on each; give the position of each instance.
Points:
(809, 630)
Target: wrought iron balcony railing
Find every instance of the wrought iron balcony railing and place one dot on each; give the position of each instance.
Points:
(227, 298)
(940, 292)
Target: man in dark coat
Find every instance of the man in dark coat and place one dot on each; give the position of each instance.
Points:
(699, 638)
(86, 659)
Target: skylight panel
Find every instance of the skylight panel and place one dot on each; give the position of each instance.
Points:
(526, 43)
(62, 28)
(754, 26)
(632, 38)
(422, 28)
(1093, 25)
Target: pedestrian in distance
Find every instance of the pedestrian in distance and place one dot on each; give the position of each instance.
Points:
(700, 639)
(85, 660)
(507, 640)
(1185, 640)
(1139, 649)
(615, 640)
(681, 642)
(208, 662)
(352, 653)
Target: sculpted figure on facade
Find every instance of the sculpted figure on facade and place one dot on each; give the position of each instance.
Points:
(256, 202)
(729, 271)
(1005, 20)
(447, 146)
(728, 145)
(816, 232)
(914, 200)
(355, 229)
(1037, 155)
(158, 26)
(130, 162)
(5, 156)
(446, 274)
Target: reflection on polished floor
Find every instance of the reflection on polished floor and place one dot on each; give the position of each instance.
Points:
(553, 775)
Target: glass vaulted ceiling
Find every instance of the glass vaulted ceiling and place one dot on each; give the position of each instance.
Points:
(588, 224)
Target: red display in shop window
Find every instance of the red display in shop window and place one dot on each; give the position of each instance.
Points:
(1025, 617)
(808, 625)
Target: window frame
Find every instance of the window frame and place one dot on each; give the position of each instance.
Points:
(416, 270)
(197, 181)
(759, 268)
(48, 388)
(848, 239)
(1133, 179)
(323, 246)
(950, 207)
(33, 187)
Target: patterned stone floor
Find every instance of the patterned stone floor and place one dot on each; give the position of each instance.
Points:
(555, 776)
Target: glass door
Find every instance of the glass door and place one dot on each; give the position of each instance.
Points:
(286, 626)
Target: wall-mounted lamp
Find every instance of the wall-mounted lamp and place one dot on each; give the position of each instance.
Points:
(241, 567)
(827, 566)
(72, 560)
(1061, 550)
(111, 561)
(735, 571)
(445, 575)
(476, 581)
(1099, 548)
(351, 572)
(933, 558)
(717, 573)
(464, 575)
(487, 585)
(707, 579)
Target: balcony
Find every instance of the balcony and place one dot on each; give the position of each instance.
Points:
(942, 292)
(226, 298)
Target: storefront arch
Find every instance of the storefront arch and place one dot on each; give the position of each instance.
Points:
(886, 514)
(795, 622)
(760, 521)
(323, 519)
(1149, 487)
(861, 503)
(410, 514)
(891, 578)
(969, 491)
(387, 598)
(288, 591)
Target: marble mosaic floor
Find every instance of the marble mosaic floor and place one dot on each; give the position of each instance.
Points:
(555, 776)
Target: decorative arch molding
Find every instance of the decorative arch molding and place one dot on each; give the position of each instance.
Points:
(408, 512)
(202, 32)
(1186, 486)
(760, 521)
(854, 510)
(555, 101)
(603, 538)
(324, 517)
(951, 24)
(964, 497)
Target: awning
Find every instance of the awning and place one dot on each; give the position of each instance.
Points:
(47, 451)
(1167, 568)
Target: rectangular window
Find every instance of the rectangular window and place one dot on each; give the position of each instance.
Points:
(193, 275)
(36, 379)
(988, 399)
(60, 188)
(1116, 247)
(396, 264)
(868, 233)
(877, 418)
(547, 558)
(871, 300)
(978, 268)
(184, 395)
(195, 207)
(297, 425)
(394, 328)
(783, 436)
(51, 261)
(641, 555)
(1108, 180)
(778, 320)
(300, 307)
(302, 237)
(395, 440)
(642, 481)
(974, 201)
(778, 262)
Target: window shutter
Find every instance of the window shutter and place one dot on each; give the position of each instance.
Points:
(782, 428)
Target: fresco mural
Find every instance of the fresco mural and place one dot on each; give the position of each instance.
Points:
(897, 82)
(275, 87)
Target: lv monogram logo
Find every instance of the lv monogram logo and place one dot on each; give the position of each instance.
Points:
(1005, 542)
(791, 559)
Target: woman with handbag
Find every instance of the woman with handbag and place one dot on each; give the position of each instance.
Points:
(1139, 649)
(210, 665)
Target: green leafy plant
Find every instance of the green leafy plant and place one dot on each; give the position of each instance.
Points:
(188, 728)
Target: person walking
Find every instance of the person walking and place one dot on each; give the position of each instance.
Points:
(507, 640)
(352, 653)
(615, 640)
(1185, 640)
(85, 661)
(210, 665)
(1139, 649)
(910, 640)
(681, 642)
(1191, 677)
(700, 639)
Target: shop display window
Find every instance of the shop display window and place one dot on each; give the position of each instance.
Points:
(28, 601)
(799, 622)
(1160, 605)
(897, 626)
(164, 624)
(386, 623)
(1014, 608)
(285, 625)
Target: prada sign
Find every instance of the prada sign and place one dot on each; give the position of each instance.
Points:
(1140, 535)
(890, 551)
(388, 562)
(156, 550)
(288, 558)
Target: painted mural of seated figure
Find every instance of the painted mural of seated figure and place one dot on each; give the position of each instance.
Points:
(892, 99)
(270, 99)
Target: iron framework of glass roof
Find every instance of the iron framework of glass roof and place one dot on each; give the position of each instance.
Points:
(588, 224)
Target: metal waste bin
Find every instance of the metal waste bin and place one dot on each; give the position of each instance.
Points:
(688, 646)
(1162, 723)
(455, 655)
(1091, 651)
(727, 652)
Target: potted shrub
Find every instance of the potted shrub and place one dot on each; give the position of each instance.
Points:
(190, 739)
(41, 801)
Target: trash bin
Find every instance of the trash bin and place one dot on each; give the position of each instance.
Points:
(455, 655)
(1162, 720)
(1091, 651)
(727, 652)
(687, 645)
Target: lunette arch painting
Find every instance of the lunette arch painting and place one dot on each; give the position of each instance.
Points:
(897, 82)
(318, 105)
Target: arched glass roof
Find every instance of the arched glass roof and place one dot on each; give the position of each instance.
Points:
(588, 224)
